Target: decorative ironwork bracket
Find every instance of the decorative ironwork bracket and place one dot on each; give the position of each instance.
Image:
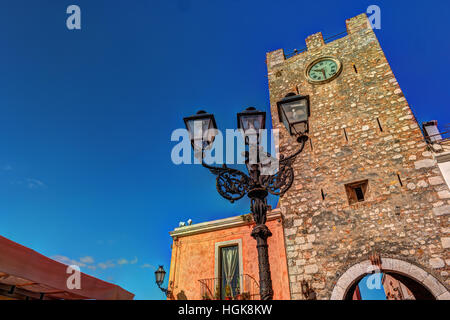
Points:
(233, 184)
(167, 292)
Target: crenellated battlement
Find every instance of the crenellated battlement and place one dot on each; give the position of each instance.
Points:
(316, 41)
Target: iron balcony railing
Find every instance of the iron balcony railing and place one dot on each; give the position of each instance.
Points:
(244, 287)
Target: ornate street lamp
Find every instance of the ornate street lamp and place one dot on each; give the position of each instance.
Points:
(160, 275)
(293, 111)
(250, 121)
(233, 184)
(202, 129)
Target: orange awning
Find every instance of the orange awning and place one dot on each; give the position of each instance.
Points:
(26, 272)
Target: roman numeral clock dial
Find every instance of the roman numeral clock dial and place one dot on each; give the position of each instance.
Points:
(323, 70)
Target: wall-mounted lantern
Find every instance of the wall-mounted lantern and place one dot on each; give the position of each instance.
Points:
(160, 275)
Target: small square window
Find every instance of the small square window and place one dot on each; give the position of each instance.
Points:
(357, 191)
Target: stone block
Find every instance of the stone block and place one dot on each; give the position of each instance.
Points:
(296, 287)
(345, 280)
(445, 194)
(434, 181)
(311, 269)
(355, 271)
(311, 238)
(301, 262)
(417, 273)
(445, 243)
(444, 296)
(441, 211)
(315, 41)
(434, 286)
(422, 184)
(275, 58)
(338, 293)
(436, 263)
(387, 263)
(411, 186)
(426, 163)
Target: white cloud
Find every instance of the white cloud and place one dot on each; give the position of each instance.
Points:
(68, 261)
(106, 265)
(30, 183)
(88, 262)
(34, 184)
(87, 259)
(122, 261)
(148, 266)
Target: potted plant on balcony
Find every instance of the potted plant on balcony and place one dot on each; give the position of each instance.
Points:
(217, 293)
(206, 296)
(245, 296)
(228, 295)
(238, 295)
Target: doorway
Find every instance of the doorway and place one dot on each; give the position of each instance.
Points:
(388, 286)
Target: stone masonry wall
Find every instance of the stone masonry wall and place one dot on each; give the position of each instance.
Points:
(410, 222)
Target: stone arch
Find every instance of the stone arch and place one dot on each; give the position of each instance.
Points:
(403, 268)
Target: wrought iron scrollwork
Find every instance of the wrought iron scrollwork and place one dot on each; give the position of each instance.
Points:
(231, 184)
(280, 182)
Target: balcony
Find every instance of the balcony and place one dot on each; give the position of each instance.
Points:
(438, 140)
(244, 287)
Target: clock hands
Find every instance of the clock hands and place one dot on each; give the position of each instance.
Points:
(321, 70)
(325, 68)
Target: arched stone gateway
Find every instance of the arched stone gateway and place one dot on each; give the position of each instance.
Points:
(423, 284)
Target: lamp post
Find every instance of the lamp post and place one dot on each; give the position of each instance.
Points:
(233, 184)
(160, 274)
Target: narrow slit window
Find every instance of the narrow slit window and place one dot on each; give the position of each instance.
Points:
(354, 68)
(311, 144)
(400, 179)
(379, 125)
(323, 194)
(345, 134)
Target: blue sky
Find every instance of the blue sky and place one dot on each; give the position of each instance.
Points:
(371, 288)
(86, 116)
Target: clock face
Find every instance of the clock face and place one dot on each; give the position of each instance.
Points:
(323, 70)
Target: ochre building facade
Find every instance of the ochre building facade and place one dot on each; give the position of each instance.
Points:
(366, 184)
(198, 269)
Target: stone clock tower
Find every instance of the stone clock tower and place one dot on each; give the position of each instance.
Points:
(367, 194)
